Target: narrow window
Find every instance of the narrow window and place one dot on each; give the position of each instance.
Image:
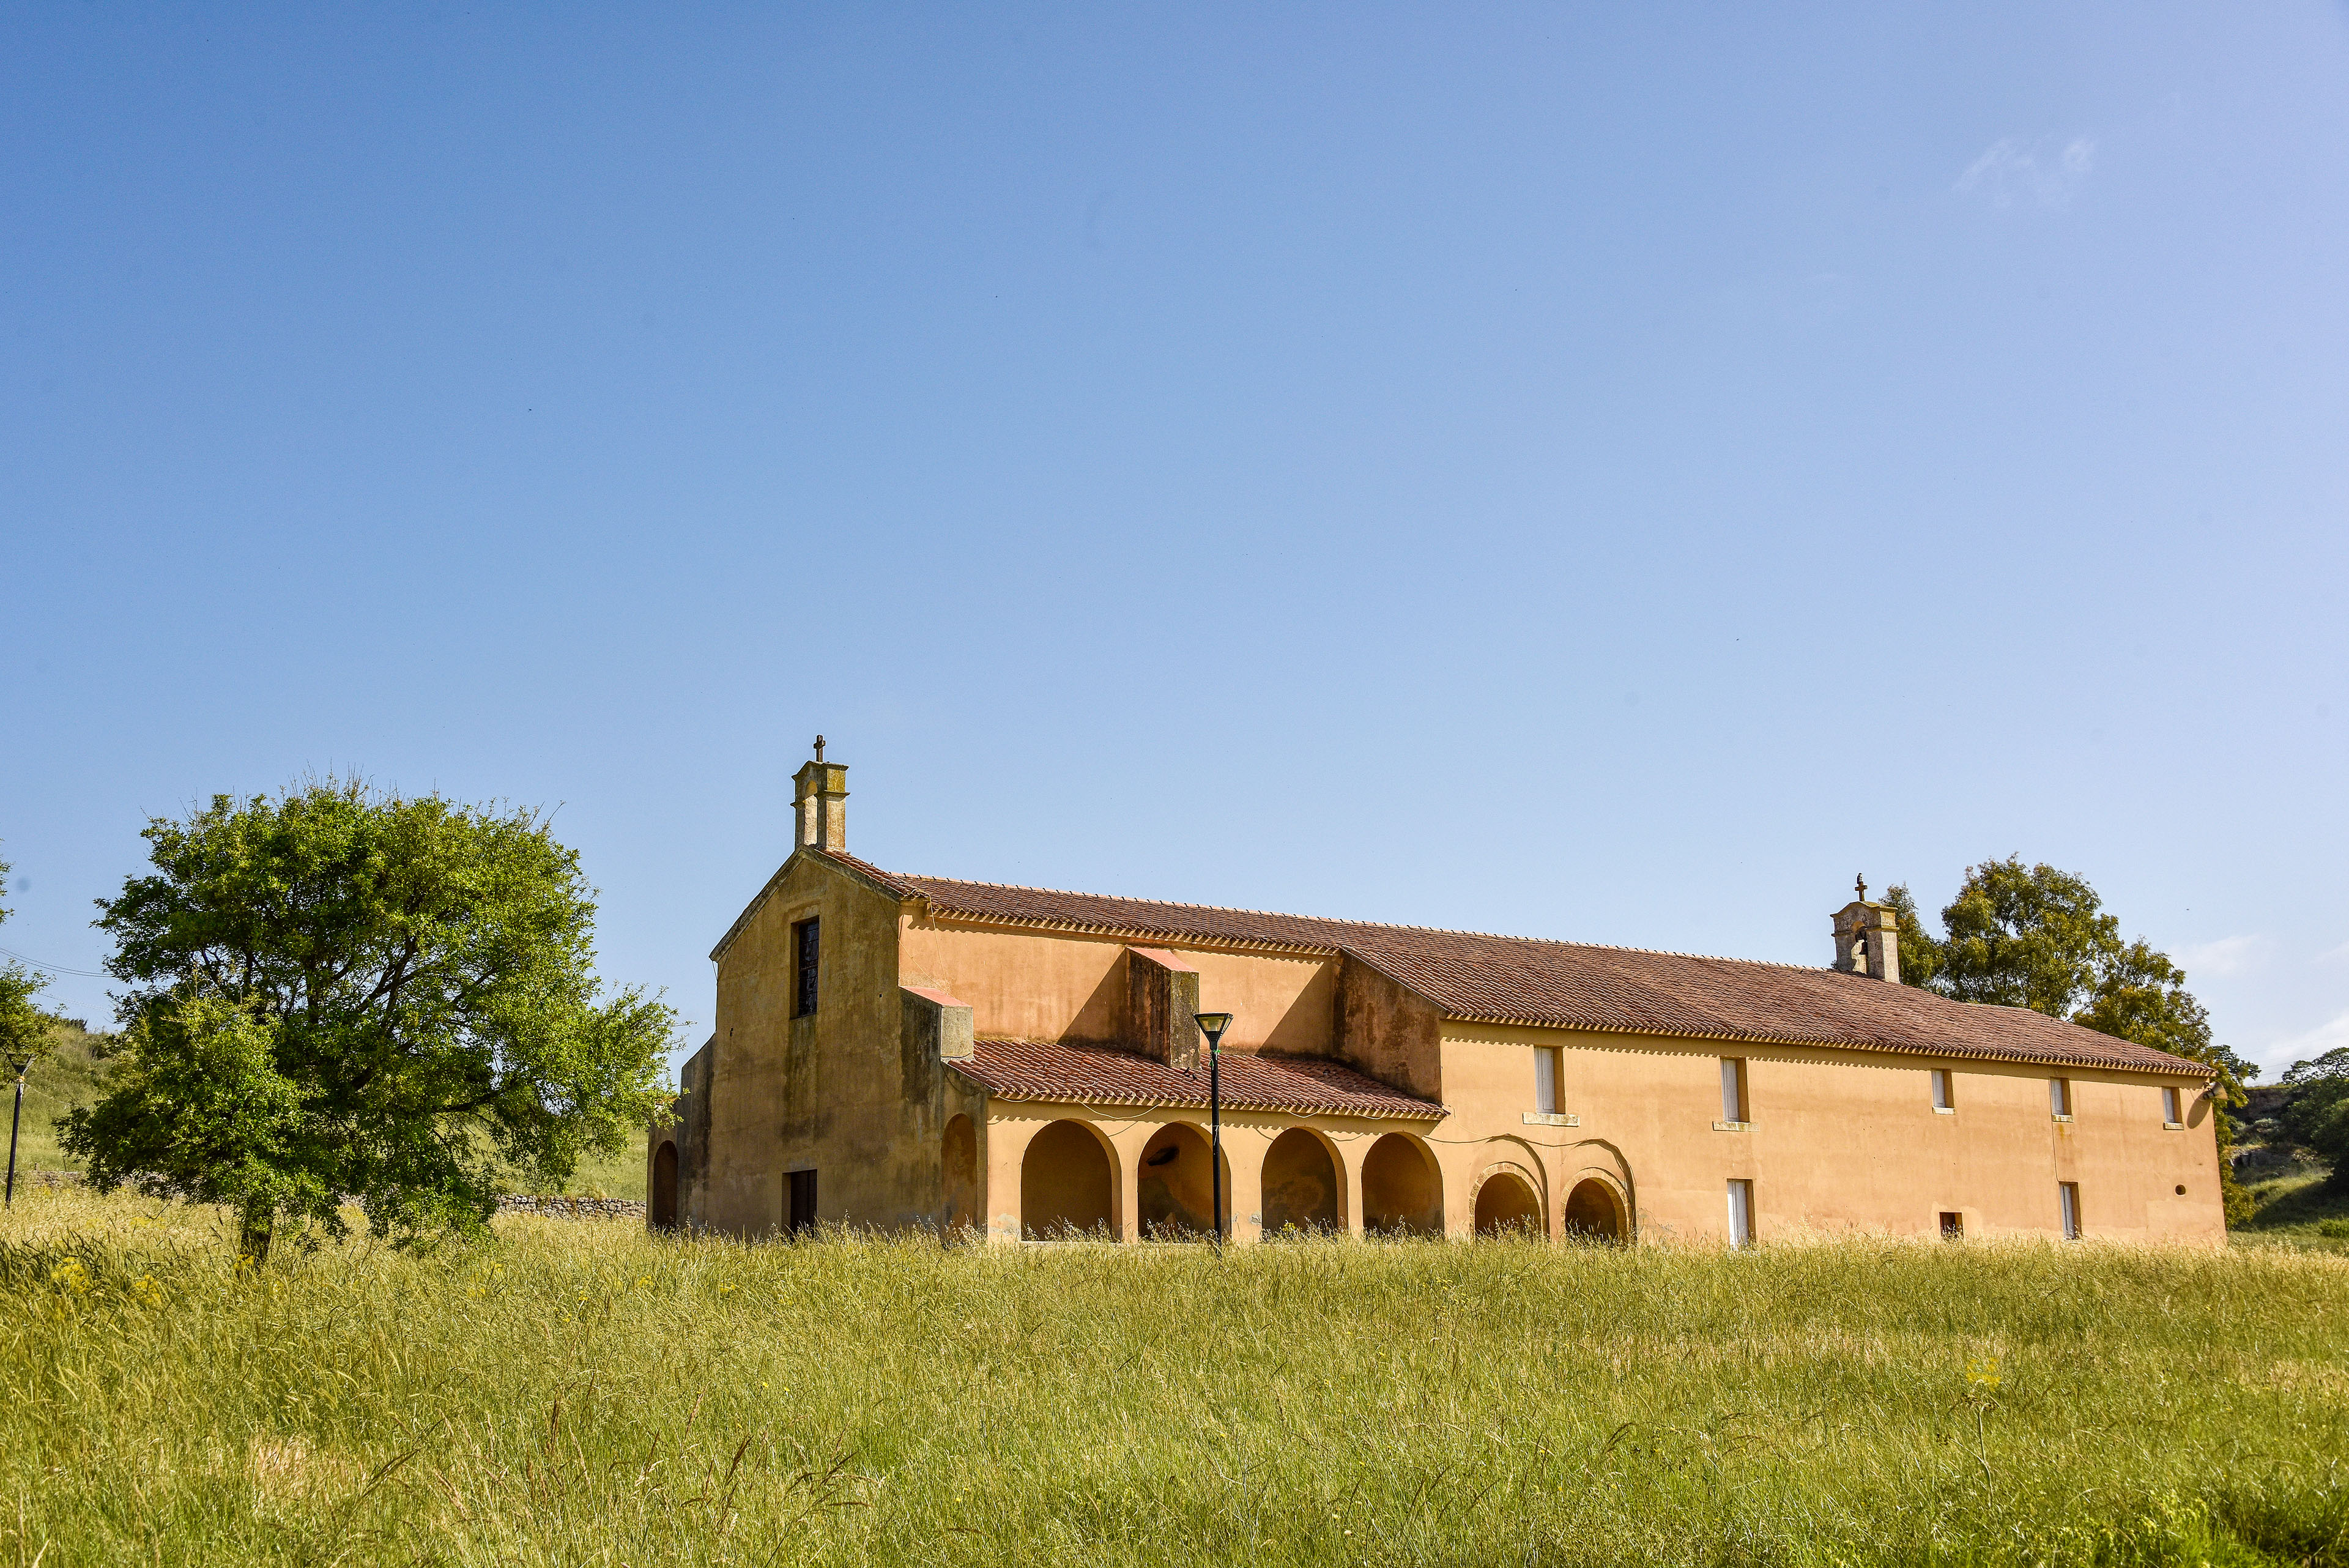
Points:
(802, 1199)
(2169, 1107)
(1741, 1213)
(1546, 1080)
(1732, 1090)
(2067, 1195)
(1943, 1099)
(805, 946)
(2059, 1096)
(1953, 1225)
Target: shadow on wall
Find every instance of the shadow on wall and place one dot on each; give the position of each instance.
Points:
(663, 1193)
(1403, 1195)
(1065, 1184)
(1172, 1192)
(1593, 1212)
(1505, 1205)
(958, 1153)
(1300, 1184)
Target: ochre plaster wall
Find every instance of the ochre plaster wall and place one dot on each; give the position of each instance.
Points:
(1837, 1141)
(1385, 1031)
(1030, 985)
(837, 1092)
(1247, 1137)
(1847, 1140)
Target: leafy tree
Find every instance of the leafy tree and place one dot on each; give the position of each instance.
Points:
(25, 1029)
(340, 994)
(2316, 1109)
(2039, 938)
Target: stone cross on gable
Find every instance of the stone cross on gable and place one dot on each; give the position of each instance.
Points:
(818, 748)
(1858, 883)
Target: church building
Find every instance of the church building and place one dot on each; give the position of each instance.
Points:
(901, 1050)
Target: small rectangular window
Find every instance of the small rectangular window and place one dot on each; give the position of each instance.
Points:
(2067, 1196)
(2169, 1107)
(1546, 1080)
(1943, 1099)
(807, 948)
(1953, 1225)
(801, 1193)
(2059, 1096)
(1734, 1103)
(1741, 1213)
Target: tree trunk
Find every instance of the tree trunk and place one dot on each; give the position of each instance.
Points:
(260, 1221)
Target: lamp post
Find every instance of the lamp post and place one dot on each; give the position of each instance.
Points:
(1212, 1025)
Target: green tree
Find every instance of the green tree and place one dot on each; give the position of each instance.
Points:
(2316, 1109)
(344, 995)
(2032, 936)
(25, 1029)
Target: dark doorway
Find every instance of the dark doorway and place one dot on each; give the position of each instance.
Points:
(663, 1193)
(1066, 1185)
(1505, 1206)
(958, 1157)
(1174, 1196)
(1300, 1185)
(1953, 1226)
(801, 1193)
(1592, 1214)
(1403, 1195)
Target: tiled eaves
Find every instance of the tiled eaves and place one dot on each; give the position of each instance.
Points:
(1636, 994)
(880, 880)
(1836, 1043)
(1058, 1072)
(939, 910)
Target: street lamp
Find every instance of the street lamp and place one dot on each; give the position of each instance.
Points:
(1212, 1025)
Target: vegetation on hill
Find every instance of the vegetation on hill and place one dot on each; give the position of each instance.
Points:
(2293, 1153)
(67, 1074)
(583, 1394)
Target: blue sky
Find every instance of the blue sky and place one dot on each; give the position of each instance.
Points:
(1605, 472)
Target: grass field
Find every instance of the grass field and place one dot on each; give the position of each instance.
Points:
(578, 1393)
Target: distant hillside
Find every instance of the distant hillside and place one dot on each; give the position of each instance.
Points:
(69, 1078)
(2288, 1181)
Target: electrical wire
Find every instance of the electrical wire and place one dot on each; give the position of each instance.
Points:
(54, 967)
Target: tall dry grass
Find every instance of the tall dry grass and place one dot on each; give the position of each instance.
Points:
(579, 1394)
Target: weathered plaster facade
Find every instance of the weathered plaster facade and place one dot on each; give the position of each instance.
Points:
(1021, 1063)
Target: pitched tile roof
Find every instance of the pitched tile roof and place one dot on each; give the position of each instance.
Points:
(1477, 978)
(1099, 1075)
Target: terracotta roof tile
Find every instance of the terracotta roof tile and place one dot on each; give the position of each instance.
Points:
(1102, 1074)
(1475, 977)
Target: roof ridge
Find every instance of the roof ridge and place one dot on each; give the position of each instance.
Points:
(1376, 925)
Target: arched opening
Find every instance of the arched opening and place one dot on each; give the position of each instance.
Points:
(1505, 1206)
(1593, 1214)
(1300, 1184)
(1065, 1183)
(1402, 1193)
(959, 1168)
(663, 1193)
(1172, 1198)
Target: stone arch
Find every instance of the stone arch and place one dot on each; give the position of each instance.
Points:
(1066, 1184)
(1300, 1184)
(1402, 1189)
(1506, 1204)
(1595, 1211)
(662, 1210)
(1173, 1199)
(958, 1176)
